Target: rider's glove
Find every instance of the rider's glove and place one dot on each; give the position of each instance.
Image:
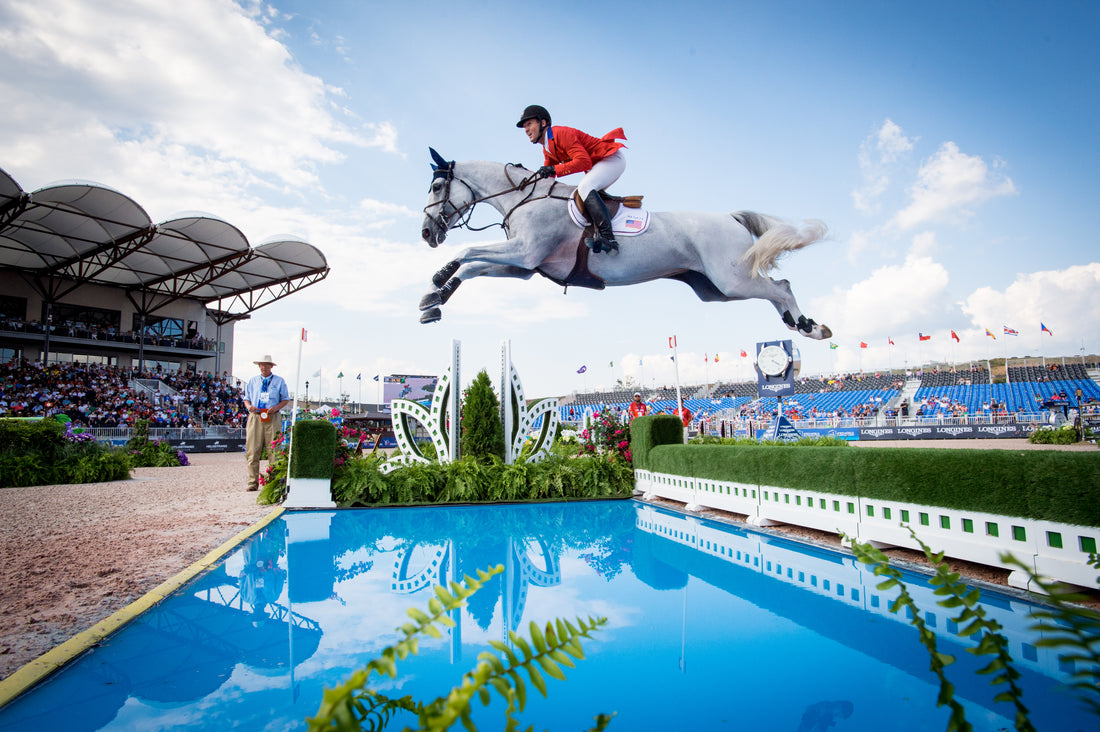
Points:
(546, 171)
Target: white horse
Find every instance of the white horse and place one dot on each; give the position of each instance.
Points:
(722, 257)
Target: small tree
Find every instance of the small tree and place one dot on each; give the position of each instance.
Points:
(482, 431)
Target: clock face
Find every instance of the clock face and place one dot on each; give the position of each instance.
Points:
(772, 360)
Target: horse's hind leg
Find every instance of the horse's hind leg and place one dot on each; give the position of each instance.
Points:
(792, 316)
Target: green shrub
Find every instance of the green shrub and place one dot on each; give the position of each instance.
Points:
(146, 453)
(313, 454)
(473, 481)
(482, 430)
(1065, 435)
(46, 452)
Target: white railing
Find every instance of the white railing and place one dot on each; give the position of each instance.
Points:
(1055, 550)
(109, 434)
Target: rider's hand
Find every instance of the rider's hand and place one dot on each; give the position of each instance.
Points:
(546, 171)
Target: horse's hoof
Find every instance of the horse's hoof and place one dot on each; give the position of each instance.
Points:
(431, 300)
(826, 332)
(431, 316)
(441, 277)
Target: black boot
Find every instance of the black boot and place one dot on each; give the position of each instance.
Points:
(604, 240)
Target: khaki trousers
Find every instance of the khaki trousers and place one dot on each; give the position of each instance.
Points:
(258, 435)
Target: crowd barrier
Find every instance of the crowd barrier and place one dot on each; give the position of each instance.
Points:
(1055, 550)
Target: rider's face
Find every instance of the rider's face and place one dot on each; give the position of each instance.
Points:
(533, 128)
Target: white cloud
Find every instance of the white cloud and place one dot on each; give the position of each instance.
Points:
(209, 92)
(877, 155)
(948, 185)
(1063, 300)
(893, 297)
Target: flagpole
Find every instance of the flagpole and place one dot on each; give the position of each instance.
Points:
(294, 408)
(676, 370)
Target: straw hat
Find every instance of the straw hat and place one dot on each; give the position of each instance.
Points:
(265, 359)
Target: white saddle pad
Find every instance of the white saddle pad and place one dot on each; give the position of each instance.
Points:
(627, 222)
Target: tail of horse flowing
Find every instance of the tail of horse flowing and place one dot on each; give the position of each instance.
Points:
(774, 238)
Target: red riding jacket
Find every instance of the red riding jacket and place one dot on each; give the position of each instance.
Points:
(572, 151)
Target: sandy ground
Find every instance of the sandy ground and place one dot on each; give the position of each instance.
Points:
(74, 554)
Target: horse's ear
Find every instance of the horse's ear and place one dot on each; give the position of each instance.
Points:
(439, 161)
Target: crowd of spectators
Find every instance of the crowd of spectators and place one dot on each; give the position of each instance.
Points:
(94, 395)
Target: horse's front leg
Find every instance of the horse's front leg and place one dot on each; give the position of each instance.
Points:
(430, 303)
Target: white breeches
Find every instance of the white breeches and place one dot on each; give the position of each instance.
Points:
(603, 174)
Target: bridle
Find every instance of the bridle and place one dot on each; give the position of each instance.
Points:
(444, 171)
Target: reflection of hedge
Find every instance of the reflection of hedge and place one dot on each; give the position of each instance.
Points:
(1047, 485)
(40, 453)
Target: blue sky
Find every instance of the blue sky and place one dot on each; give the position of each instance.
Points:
(950, 147)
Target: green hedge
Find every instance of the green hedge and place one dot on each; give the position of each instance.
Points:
(314, 449)
(1050, 485)
(648, 432)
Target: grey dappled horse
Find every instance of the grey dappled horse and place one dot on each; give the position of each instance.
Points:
(721, 256)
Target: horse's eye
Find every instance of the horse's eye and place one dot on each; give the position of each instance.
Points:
(436, 187)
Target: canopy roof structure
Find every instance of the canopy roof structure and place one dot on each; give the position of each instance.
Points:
(73, 233)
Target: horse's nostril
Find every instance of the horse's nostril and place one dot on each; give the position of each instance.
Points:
(425, 234)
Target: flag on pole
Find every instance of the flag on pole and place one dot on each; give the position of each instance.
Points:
(582, 369)
(340, 375)
(890, 340)
(303, 335)
(376, 377)
(832, 347)
(1044, 329)
(862, 344)
(716, 358)
(743, 354)
(923, 337)
(316, 374)
(359, 376)
(672, 341)
(955, 336)
(990, 334)
(706, 358)
(611, 364)
(1011, 331)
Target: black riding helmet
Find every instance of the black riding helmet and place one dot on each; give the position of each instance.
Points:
(534, 111)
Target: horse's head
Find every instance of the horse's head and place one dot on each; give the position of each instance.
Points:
(446, 202)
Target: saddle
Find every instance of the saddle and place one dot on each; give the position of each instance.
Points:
(580, 275)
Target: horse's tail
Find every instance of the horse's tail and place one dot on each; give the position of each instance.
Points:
(775, 238)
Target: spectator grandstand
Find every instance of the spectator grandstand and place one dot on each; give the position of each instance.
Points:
(98, 396)
(934, 395)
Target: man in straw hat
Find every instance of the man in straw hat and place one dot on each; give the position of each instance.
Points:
(264, 395)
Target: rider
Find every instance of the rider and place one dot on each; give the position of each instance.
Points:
(569, 151)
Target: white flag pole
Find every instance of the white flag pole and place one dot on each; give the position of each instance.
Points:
(294, 408)
(676, 369)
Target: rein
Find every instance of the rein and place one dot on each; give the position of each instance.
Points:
(467, 210)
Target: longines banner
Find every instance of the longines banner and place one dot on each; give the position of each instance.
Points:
(944, 432)
(209, 444)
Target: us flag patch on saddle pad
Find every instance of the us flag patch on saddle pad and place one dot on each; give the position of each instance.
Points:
(626, 222)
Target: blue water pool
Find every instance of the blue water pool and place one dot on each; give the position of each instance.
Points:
(711, 627)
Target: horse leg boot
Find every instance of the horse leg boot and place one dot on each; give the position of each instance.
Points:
(601, 222)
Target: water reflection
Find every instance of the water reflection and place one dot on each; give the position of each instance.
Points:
(731, 626)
